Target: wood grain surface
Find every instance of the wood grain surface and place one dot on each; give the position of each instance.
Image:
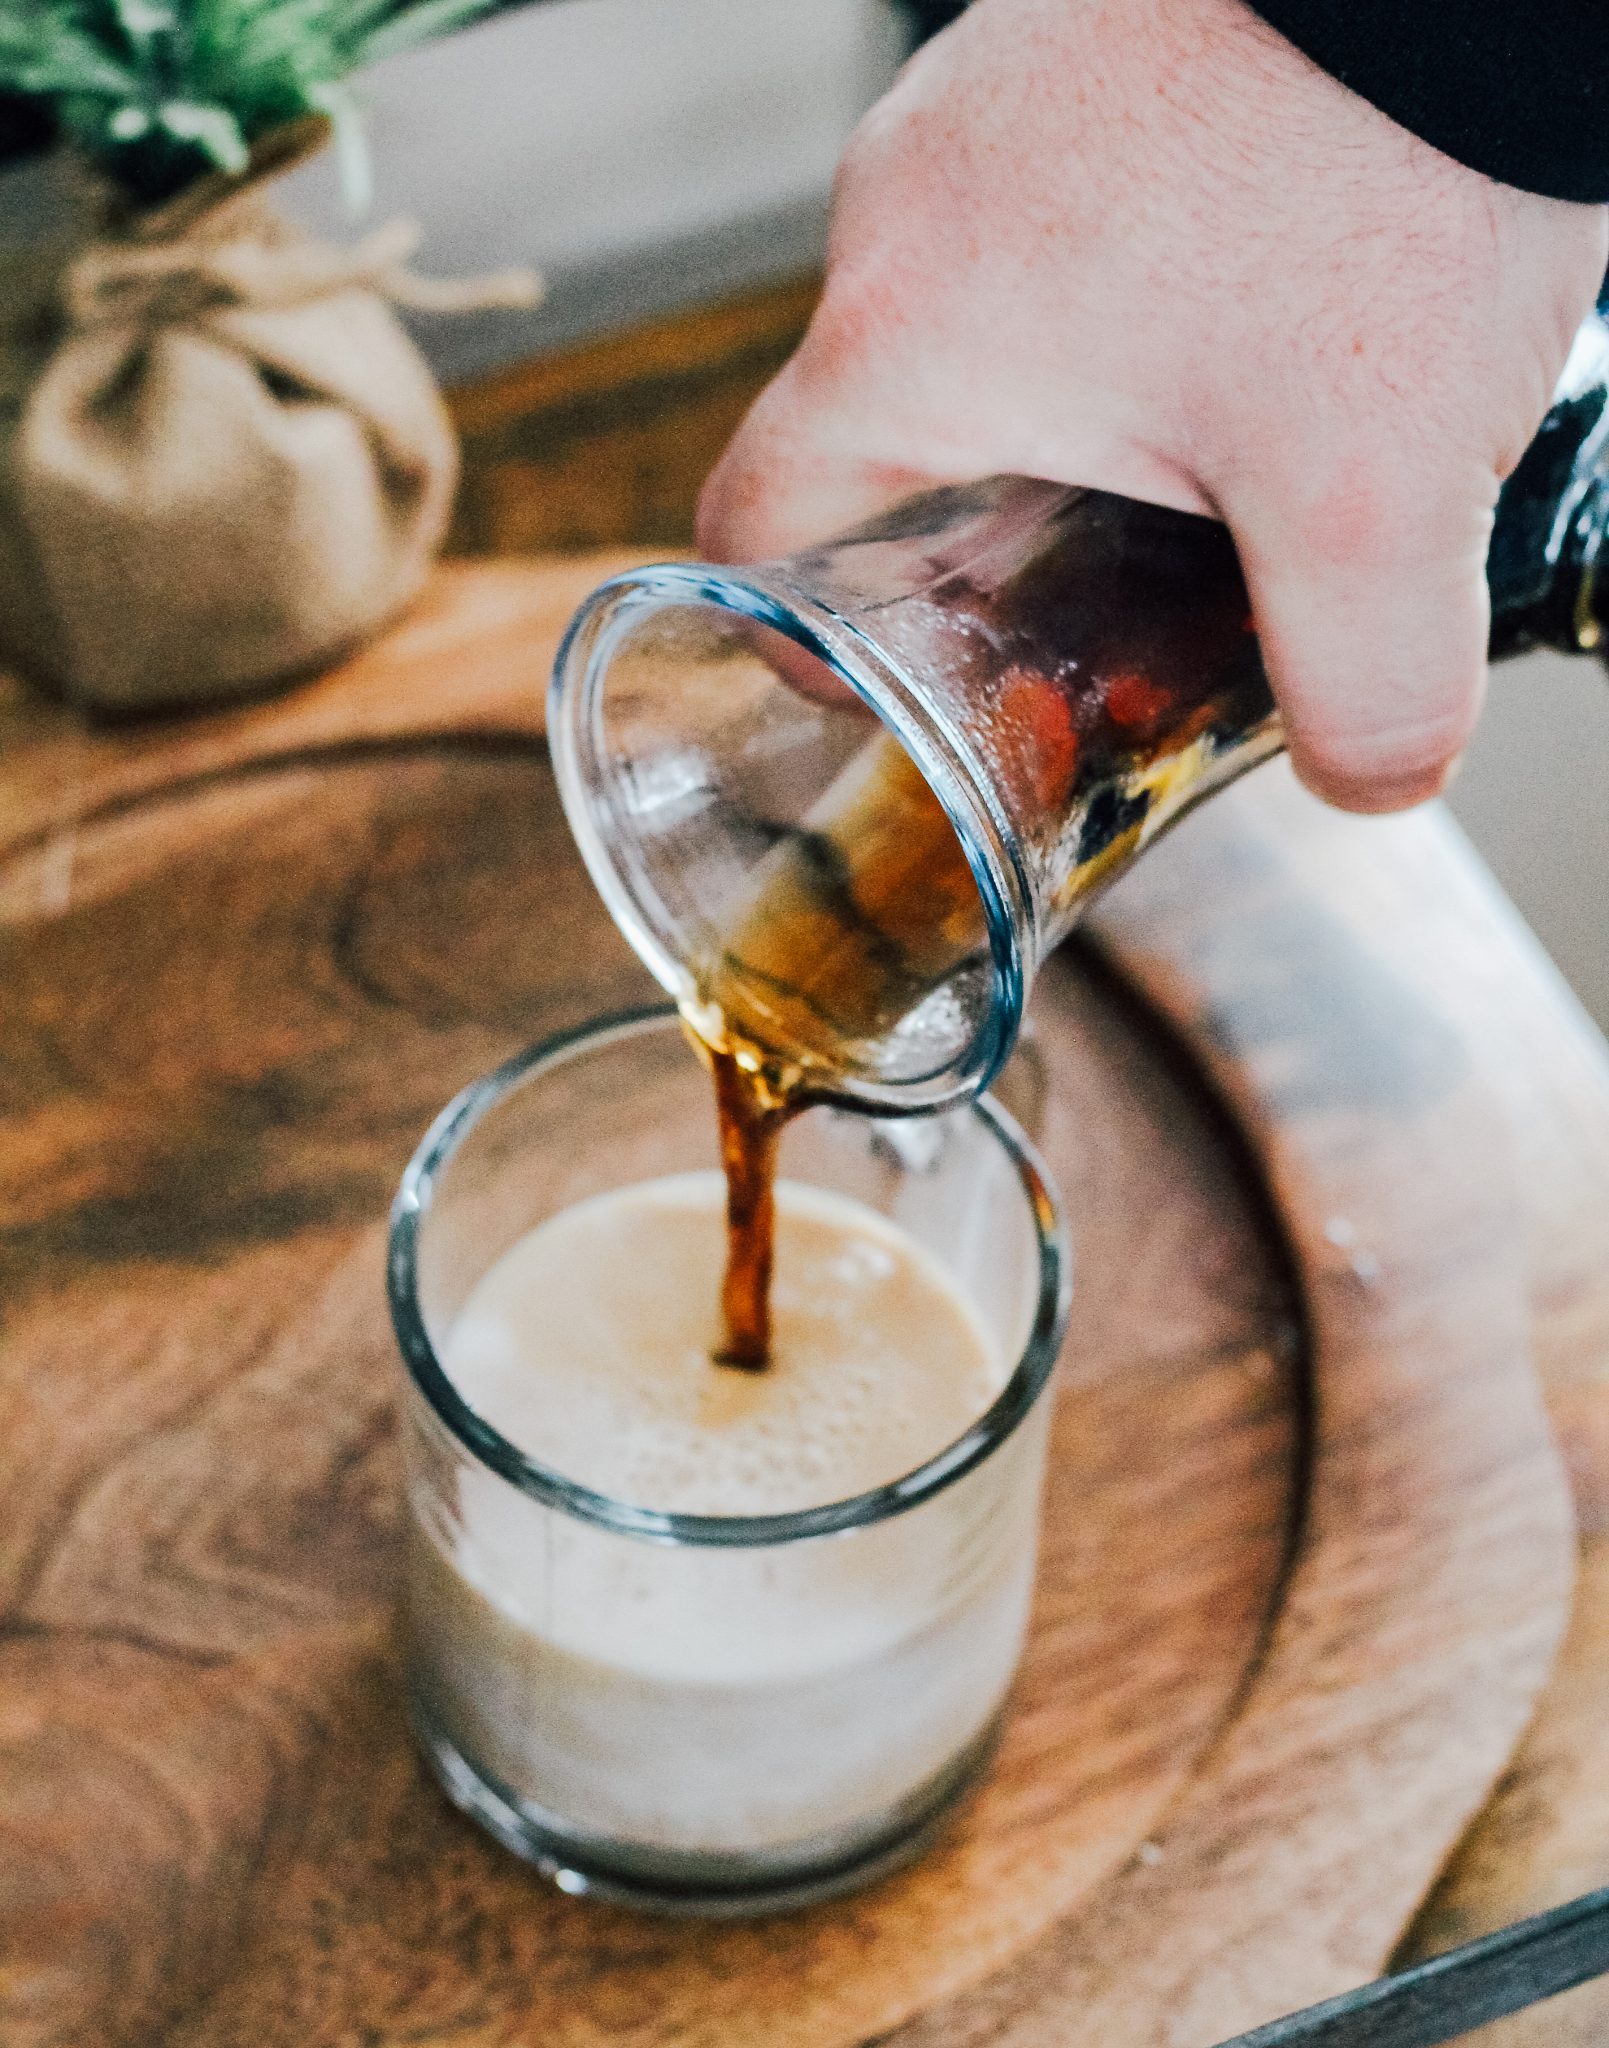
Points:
(470, 661)
(1431, 917)
(248, 956)
(609, 441)
(223, 1047)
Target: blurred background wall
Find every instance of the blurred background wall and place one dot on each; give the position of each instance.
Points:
(643, 154)
(656, 156)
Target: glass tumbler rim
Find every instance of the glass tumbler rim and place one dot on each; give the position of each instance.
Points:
(489, 1447)
(765, 594)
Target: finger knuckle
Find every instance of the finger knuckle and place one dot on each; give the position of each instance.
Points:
(859, 311)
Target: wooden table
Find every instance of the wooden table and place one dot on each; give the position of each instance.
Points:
(1336, 1144)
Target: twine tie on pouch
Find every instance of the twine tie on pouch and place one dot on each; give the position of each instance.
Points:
(131, 283)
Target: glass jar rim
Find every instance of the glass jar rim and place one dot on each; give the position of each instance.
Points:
(921, 728)
(489, 1447)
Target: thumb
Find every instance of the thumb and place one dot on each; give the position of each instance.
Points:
(796, 472)
(1372, 610)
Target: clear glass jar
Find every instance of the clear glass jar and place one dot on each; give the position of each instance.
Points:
(851, 799)
(707, 1713)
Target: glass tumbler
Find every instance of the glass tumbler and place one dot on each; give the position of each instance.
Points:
(855, 795)
(765, 1709)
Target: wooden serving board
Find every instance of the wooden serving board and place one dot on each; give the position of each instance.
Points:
(1308, 1543)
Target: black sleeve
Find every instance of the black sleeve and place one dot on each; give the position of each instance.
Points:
(1516, 89)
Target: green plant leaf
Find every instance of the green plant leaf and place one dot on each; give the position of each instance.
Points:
(214, 130)
(56, 57)
(353, 165)
(141, 19)
(158, 92)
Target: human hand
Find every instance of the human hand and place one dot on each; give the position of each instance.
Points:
(1147, 246)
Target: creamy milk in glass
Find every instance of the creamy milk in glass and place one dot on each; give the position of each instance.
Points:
(715, 1699)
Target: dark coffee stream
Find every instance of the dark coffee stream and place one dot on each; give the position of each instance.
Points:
(751, 1114)
(850, 924)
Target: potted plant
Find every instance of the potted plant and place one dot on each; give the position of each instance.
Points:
(222, 461)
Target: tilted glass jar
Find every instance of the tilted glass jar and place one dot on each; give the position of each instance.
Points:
(843, 804)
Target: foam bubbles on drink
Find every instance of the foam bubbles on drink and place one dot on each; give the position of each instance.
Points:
(588, 1345)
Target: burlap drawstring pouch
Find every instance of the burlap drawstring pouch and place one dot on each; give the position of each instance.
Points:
(222, 461)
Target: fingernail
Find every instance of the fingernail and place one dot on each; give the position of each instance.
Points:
(1381, 794)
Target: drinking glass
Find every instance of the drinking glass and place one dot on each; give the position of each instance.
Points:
(945, 729)
(800, 1697)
